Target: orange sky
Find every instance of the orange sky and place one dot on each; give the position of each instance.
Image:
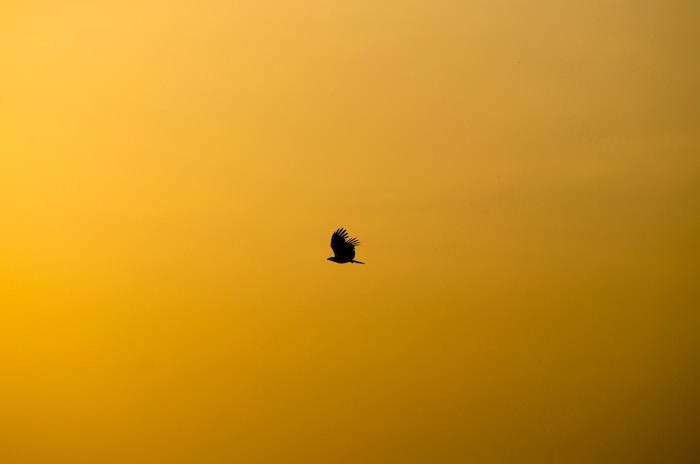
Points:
(523, 176)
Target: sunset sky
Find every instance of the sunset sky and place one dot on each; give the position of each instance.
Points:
(524, 177)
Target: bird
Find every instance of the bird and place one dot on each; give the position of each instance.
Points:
(343, 247)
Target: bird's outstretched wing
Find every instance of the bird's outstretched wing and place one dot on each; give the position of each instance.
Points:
(342, 246)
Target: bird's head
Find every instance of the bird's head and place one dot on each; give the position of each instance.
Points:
(332, 258)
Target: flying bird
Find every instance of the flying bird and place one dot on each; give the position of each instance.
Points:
(343, 247)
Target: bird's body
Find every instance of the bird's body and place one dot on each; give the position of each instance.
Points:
(343, 247)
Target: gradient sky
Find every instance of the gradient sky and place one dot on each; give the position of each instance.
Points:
(524, 177)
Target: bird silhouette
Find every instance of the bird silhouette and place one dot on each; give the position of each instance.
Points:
(343, 247)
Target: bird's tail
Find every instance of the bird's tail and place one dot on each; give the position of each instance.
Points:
(358, 262)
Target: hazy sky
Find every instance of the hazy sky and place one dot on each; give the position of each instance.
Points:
(524, 177)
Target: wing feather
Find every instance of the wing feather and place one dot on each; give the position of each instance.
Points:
(342, 246)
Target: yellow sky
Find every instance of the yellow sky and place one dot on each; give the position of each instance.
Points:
(524, 178)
